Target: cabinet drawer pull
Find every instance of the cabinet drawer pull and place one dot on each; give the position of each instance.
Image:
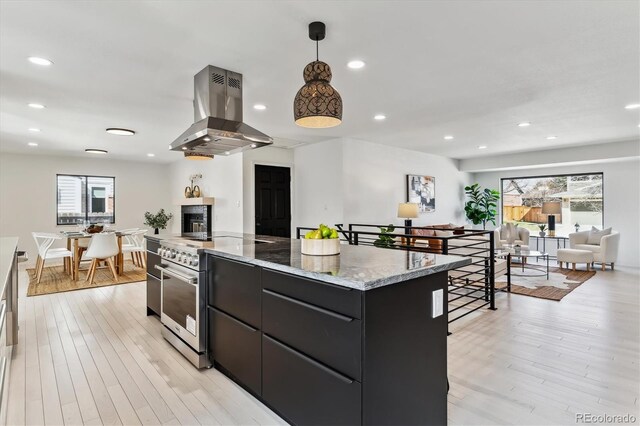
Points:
(247, 326)
(307, 305)
(315, 363)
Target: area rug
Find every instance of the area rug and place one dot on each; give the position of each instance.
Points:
(560, 283)
(55, 280)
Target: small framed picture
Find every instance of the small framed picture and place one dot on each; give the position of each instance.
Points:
(422, 191)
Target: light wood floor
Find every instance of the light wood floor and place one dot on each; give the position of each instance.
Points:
(94, 357)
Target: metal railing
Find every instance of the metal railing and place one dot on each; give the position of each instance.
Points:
(471, 287)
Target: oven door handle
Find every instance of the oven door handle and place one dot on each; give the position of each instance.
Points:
(181, 277)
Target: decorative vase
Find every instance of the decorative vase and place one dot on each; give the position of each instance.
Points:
(542, 233)
(324, 247)
(156, 231)
(577, 228)
(188, 193)
(196, 191)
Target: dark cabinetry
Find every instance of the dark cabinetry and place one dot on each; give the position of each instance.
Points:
(154, 291)
(236, 347)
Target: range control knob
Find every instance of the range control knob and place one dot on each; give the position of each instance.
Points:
(173, 254)
(194, 261)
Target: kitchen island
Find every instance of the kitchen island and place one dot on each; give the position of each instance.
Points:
(358, 338)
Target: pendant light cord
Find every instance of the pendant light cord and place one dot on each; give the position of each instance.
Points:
(317, 57)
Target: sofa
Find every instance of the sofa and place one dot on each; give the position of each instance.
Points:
(605, 251)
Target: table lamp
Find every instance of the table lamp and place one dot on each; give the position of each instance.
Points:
(551, 208)
(407, 211)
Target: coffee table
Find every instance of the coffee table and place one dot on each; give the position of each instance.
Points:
(527, 270)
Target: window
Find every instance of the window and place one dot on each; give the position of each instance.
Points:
(582, 198)
(85, 198)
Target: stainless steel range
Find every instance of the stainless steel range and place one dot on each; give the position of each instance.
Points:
(183, 301)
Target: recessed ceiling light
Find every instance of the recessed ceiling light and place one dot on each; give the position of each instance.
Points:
(551, 138)
(260, 107)
(33, 129)
(120, 132)
(206, 139)
(227, 153)
(184, 148)
(482, 147)
(96, 151)
(253, 145)
(32, 144)
(632, 106)
(356, 64)
(40, 61)
(524, 124)
(448, 137)
(151, 155)
(36, 106)
(379, 117)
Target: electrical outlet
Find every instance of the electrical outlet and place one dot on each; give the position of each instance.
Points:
(437, 301)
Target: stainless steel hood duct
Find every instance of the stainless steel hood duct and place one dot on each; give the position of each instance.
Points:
(218, 127)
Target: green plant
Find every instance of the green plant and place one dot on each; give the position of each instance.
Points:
(481, 207)
(384, 239)
(542, 227)
(158, 220)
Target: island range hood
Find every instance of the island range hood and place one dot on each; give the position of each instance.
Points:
(218, 127)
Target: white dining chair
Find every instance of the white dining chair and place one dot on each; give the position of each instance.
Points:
(103, 247)
(44, 241)
(136, 247)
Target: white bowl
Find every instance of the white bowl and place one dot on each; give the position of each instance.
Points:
(325, 247)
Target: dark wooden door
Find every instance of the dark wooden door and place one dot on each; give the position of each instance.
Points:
(273, 201)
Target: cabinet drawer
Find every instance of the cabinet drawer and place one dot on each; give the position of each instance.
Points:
(329, 337)
(234, 288)
(153, 245)
(154, 294)
(153, 260)
(343, 300)
(306, 392)
(236, 347)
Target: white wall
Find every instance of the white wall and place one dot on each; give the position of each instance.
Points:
(318, 180)
(354, 181)
(621, 198)
(221, 179)
(28, 192)
(268, 156)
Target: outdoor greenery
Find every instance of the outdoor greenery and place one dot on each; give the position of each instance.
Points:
(384, 239)
(158, 220)
(481, 207)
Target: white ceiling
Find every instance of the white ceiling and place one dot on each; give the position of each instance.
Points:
(472, 69)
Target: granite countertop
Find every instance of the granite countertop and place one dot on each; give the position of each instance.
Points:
(8, 246)
(357, 267)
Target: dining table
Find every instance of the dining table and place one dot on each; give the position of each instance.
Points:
(73, 245)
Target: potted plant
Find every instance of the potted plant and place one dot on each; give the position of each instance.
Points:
(157, 221)
(542, 228)
(577, 225)
(384, 239)
(481, 207)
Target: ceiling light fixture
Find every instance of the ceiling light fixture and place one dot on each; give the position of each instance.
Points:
(260, 107)
(448, 137)
(227, 153)
(36, 106)
(206, 139)
(253, 145)
(192, 155)
(184, 148)
(550, 138)
(356, 64)
(379, 117)
(40, 61)
(524, 124)
(120, 132)
(33, 129)
(317, 104)
(96, 151)
(151, 155)
(482, 147)
(632, 106)
(32, 144)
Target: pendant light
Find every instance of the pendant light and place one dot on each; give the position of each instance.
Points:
(317, 104)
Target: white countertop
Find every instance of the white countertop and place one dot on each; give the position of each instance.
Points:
(8, 246)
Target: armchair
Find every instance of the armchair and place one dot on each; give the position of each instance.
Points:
(603, 253)
(522, 237)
